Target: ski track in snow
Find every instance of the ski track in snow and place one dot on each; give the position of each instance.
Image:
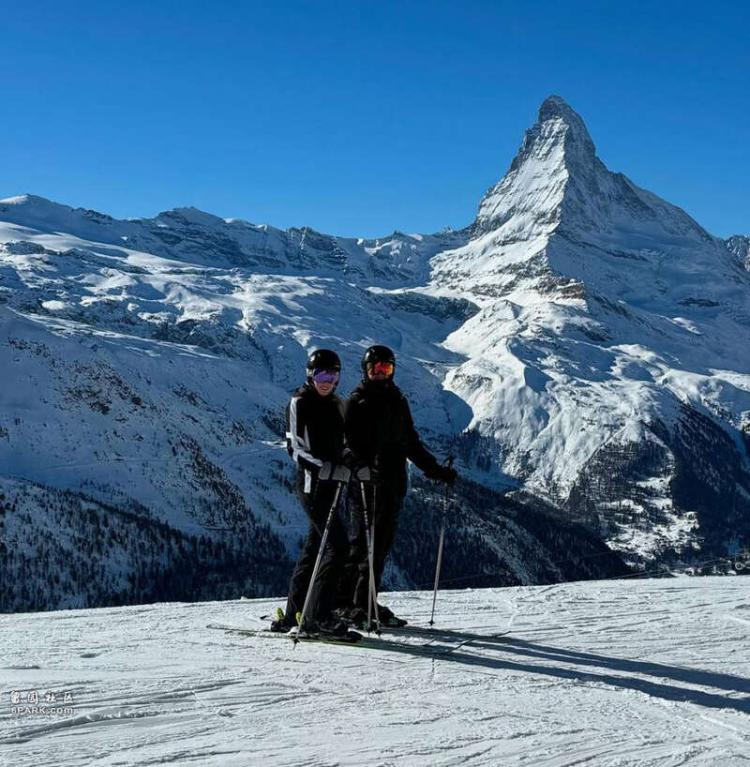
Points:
(599, 673)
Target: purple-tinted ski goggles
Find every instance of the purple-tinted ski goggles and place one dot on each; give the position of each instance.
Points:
(325, 376)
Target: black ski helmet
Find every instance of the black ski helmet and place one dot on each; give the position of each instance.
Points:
(375, 354)
(323, 359)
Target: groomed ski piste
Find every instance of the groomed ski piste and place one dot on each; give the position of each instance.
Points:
(626, 672)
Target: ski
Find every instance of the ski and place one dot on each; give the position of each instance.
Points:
(369, 642)
(351, 638)
(393, 623)
(364, 642)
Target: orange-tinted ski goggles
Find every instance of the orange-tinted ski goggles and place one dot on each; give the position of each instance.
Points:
(385, 368)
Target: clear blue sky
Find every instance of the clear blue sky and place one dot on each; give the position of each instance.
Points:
(360, 118)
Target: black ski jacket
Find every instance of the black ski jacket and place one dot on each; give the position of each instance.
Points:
(380, 433)
(314, 431)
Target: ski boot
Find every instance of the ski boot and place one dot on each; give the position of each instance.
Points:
(333, 627)
(356, 617)
(389, 619)
(280, 624)
(331, 630)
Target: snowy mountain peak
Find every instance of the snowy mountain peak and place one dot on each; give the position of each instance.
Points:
(557, 108)
(188, 216)
(604, 313)
(31, 202)
(17, 200)
(33, 211)
(562, 121)
(526, 202)
(556, 182)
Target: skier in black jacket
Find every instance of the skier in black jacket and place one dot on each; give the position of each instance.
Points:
(381, 436)
(315, 441)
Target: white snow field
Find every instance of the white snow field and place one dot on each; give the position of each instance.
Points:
(647, 672)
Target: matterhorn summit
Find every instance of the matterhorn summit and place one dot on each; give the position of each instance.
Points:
(528, 199)
(558, 201)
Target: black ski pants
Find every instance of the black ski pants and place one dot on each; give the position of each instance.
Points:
(384, 505)
(317, 505)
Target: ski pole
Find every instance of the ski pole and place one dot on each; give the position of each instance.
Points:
(318, 559)
(374, 589)
(372, 596)
(439, 564)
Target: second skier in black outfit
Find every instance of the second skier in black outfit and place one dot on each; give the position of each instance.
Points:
(315, 441)
(381, 436)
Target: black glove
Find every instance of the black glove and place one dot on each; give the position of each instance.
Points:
(367, 474)
(336, 472)
(341, 473)
(445, 474)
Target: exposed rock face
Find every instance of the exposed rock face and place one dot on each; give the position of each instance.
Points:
(740, 246)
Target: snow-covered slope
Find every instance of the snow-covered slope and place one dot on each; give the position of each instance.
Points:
(582, 344)
(632, 673)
